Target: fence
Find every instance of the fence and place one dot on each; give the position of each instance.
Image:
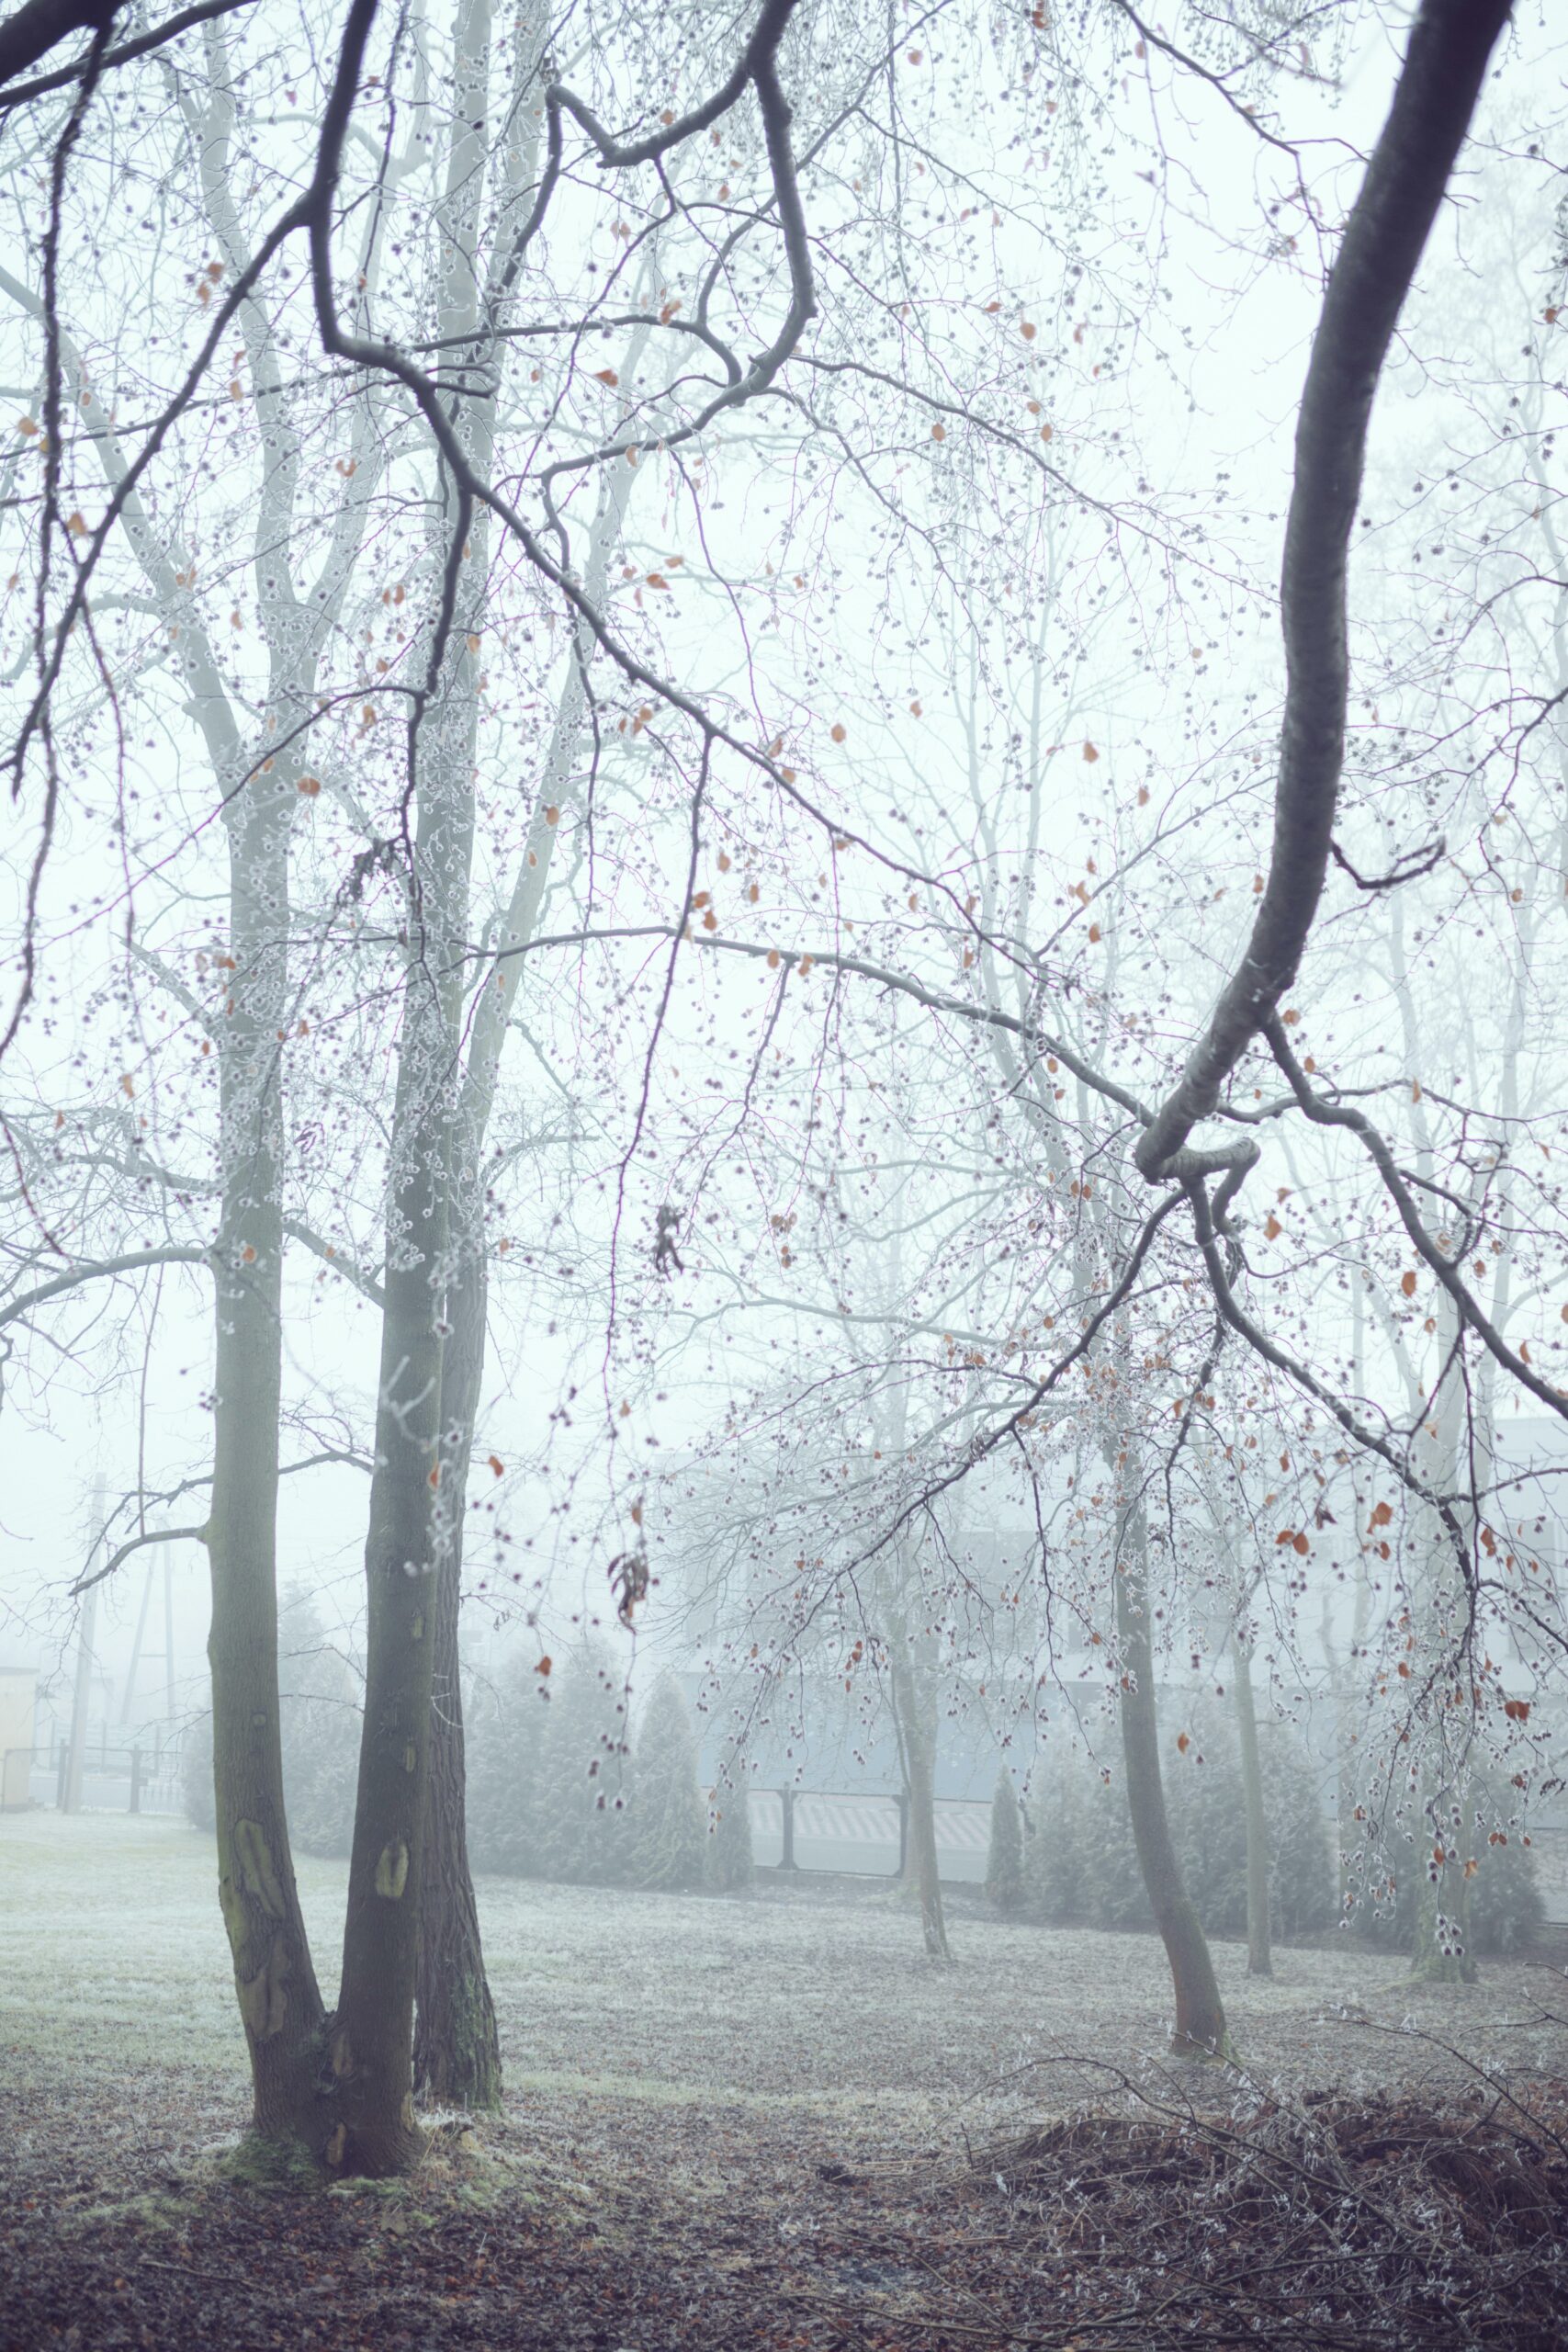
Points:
(120, 1780)
(867, 1837)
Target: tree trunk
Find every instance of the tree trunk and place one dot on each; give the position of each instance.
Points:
(916, 1738)
(1259, 1959)
(373, 2031)
(457, 2051)
(273, 1973)
(1200, 2028)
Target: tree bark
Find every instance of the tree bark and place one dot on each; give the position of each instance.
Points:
(1434, 99)
(1259, 1958)
(279, 2002)
(1200, 2028)
(457, 2051)
(373, 2031)
(916, 1738)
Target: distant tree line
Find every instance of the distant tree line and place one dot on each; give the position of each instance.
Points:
(1068, 1857)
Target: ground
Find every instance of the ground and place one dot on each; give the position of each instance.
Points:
(737, 2122)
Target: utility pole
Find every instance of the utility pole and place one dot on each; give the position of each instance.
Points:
(125, 1705)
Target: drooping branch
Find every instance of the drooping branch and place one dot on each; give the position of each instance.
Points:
(1325, 1113)
(122, 1552)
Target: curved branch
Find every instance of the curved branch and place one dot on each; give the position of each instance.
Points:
(1389, 224)
(130, 1262)
(135, 1543)
(1330, 1115)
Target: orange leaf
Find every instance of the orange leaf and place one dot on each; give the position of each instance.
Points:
(498, 1465)
(544, 1665)
(1516, 1710)
(1407, 1285)
(838, 731)
(1182, 1743)
(1381, 1514)
(1090, 755)
(605, 376)
(939, 431)
(1273, 1228)
(552, 816)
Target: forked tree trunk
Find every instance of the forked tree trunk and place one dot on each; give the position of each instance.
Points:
(1200, 2028)
(1259, 1957)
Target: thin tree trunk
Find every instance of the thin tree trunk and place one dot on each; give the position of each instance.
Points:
(917, 1737)
(1200, 2027)
(457, 2051)
(1259, 1959)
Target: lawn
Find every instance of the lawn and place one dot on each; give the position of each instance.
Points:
(708, 2102)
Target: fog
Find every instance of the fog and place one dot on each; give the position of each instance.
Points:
(783, 1317)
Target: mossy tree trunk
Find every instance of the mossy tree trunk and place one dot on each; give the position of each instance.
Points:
(1259, 1956)
(1200, 2027)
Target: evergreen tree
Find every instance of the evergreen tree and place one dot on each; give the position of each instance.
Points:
(320, 1719)
(1082, 1867)
(728, 1866)
(505, 1729)
(584, 1776)
(1004, 1858)
(195, 1765)
(669, 1822)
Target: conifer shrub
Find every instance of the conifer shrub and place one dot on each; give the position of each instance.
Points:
(728, 1867)
(1499, 1908)
(319, 1716)
(668, 1821)
(1081, 1865)
(584, 1779)
(1004, 1856)
(195, 1769)
(504, 1725)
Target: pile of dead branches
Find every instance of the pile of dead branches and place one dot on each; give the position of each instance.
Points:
(1385, 2222)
